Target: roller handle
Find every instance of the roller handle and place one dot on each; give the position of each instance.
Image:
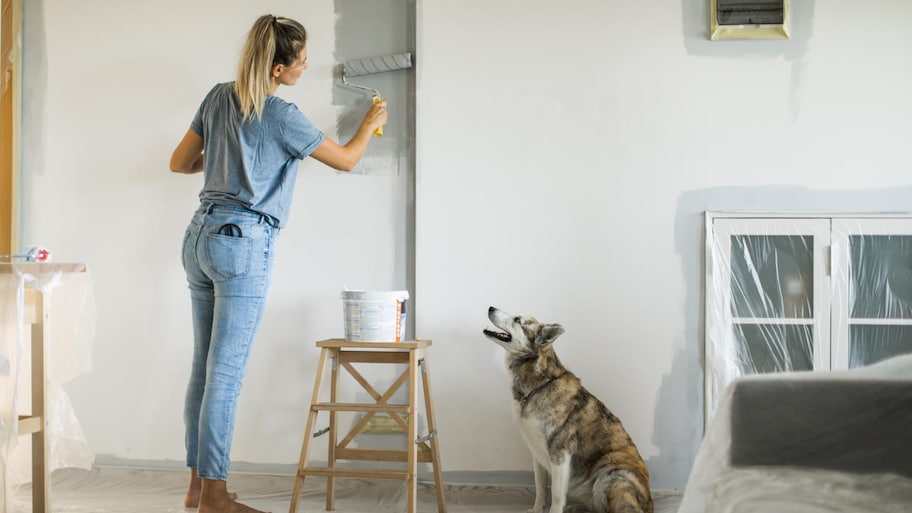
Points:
(378, 132)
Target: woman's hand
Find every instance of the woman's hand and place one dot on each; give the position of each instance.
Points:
(376, 116)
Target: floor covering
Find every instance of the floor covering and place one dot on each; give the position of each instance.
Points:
(132, 490)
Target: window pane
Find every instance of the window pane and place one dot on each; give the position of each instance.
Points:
(880, 277)
(871, 344)
(765, 348)
(772, 276)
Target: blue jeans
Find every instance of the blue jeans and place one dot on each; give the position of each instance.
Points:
(227, 254)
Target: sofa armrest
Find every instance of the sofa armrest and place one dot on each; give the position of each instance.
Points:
(847, 425)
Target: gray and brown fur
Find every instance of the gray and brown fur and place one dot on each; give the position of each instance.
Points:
(576, 442)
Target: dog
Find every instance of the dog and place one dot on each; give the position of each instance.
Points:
(592, 463)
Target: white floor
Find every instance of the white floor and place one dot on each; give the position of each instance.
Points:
(131, 490)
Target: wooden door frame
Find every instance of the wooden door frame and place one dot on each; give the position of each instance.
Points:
(10, 27)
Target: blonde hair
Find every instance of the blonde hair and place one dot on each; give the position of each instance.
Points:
(272, 40)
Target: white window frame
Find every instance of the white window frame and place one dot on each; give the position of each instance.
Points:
(843, 228)
(720, 226)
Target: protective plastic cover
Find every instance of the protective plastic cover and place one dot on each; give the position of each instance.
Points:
(805, 293)
(68, 301)
(809, 377)
(809, 442)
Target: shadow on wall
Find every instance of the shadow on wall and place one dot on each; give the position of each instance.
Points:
(679, 415)
(34, 107)
(695, 16)
(277, 354)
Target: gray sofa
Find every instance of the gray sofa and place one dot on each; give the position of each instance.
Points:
(808, 442)
(857, 425)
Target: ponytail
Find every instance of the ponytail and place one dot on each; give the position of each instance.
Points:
(272, 40)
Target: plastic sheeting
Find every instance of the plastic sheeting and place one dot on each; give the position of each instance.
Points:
(808, 442)
(69, 331)
(804, 293)
(808, 365)
(129, 490)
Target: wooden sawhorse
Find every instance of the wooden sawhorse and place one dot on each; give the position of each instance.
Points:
(37, 316)
(344, 353)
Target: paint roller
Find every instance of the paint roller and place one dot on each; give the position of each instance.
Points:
(371, 65)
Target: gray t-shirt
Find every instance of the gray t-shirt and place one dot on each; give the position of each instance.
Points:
(252, 164)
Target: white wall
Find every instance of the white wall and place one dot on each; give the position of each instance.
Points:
(565, 153)
(124, 80)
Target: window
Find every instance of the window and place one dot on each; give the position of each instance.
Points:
(808, 292)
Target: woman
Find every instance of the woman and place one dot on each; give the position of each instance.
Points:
(248, 143)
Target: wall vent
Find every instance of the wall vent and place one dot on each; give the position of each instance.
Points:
(749, 19)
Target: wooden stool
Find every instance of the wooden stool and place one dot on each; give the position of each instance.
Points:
(425, 449)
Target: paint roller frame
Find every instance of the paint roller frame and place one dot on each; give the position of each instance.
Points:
(370, 66)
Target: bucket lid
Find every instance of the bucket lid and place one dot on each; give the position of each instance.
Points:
(375, 295)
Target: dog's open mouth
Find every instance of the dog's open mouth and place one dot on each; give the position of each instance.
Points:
(499, 335)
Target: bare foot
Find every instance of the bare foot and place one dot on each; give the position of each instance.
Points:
(227, 506)
(215, 498)
(191, 500)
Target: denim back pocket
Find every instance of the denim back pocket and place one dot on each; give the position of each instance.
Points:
(229, 257)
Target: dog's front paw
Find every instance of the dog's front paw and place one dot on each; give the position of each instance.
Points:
(536, 510)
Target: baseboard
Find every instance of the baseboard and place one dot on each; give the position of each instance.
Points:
(507, 478)
(500, 478)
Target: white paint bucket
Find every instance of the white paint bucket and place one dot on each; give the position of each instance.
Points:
(374, 315)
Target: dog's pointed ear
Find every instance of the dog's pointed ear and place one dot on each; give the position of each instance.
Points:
(548, 334)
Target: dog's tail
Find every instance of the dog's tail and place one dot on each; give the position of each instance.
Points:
(621, 491)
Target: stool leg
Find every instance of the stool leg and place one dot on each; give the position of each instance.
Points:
(432, 428)
(412, 486)
(331, 459)
(41, 482)
(308, 434)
